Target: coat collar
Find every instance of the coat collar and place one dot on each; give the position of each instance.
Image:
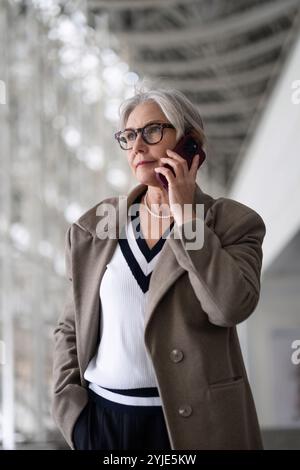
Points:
(90, 219)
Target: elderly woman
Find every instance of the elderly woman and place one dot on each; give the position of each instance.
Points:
(146, 349)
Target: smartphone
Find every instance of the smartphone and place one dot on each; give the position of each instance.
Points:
(187, 147)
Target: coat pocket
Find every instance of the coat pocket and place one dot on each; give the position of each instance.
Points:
(237, 380)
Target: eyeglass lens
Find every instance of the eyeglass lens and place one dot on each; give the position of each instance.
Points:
(152, 134)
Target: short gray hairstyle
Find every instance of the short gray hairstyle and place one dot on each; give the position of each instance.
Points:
(177, 108)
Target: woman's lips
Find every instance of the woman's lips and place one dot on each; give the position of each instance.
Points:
(144, 163)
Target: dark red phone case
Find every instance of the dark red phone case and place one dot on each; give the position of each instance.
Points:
(187, 147)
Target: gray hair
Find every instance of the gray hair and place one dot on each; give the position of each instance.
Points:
(177, 108)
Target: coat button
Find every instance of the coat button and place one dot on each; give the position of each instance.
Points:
(176, 355)
(185, 410)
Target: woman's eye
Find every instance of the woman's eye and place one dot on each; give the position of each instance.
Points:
(130, 136)
(153, 130)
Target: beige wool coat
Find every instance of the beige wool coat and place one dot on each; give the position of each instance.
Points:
(196, 299)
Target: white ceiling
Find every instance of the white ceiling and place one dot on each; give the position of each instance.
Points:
(224, 54)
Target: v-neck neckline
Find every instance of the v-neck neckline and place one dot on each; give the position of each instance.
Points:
(148, 252)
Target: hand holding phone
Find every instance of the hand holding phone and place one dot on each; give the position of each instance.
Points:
(187, 147)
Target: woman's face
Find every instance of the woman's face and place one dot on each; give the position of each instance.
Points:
(141, 151)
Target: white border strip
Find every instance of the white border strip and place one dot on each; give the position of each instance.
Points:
(124, 399)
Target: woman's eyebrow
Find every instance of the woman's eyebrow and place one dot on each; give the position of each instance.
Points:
(153, 120)
(149, 122)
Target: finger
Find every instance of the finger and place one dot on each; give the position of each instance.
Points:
(180, 163)
(194, 166)
(176, 156)
(166, 172)
(179, 171)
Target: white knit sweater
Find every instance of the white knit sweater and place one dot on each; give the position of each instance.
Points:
(122, 361)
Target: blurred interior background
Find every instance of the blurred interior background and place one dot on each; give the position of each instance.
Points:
(65, 67)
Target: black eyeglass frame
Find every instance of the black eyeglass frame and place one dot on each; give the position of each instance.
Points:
(141, 129)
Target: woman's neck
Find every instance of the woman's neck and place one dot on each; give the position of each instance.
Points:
(156, 196)
(158, 208)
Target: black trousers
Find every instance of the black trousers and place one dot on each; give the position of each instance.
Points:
(107, 425)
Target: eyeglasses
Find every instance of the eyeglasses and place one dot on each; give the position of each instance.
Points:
(151, 133)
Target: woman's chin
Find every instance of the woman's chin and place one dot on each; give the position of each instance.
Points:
(149, 180)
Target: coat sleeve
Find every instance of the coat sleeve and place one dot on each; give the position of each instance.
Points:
(225, 271)
(69, 397)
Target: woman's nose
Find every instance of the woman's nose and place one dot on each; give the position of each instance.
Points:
(139, 143)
